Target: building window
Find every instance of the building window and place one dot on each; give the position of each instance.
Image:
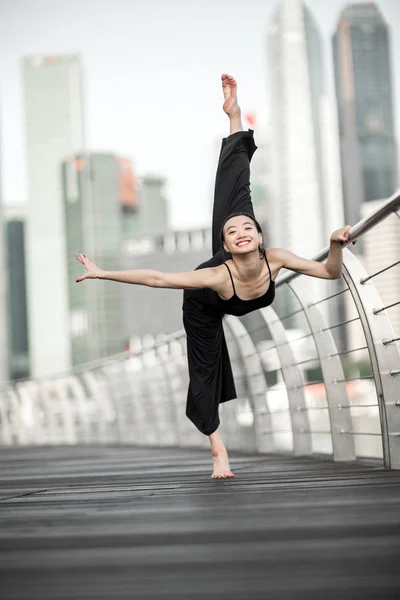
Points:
(78, 322)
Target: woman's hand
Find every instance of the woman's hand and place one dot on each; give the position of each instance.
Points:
(341, 235)
(91, 270)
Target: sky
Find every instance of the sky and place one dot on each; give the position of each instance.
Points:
(152, 89)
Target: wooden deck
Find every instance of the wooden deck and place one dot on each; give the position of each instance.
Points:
(125, 522)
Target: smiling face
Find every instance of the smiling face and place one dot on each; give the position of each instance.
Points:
(240, 235)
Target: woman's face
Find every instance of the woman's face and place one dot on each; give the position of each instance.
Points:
(240, 235)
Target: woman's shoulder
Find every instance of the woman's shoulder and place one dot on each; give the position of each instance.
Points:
(276, 255)
(275, 258)
(274, 252)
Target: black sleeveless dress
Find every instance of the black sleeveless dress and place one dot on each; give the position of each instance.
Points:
(210, 371)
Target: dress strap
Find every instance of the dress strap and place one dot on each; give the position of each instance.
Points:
(230, 274)
(266, 260)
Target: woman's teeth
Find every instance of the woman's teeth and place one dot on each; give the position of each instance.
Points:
(240, 244)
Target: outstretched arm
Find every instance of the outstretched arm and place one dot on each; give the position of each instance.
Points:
(332, 269)
(202, 278)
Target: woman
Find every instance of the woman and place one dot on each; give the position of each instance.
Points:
(238, 279)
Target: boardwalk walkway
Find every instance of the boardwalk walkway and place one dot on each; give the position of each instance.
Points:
(119, 523)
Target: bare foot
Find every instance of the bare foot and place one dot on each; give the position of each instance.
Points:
(229, 87)
(221, 468)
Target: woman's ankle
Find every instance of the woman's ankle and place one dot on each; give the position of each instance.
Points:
(235, 123)
(218, 449)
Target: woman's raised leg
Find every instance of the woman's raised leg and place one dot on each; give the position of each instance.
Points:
(232, 182)
(230, 106)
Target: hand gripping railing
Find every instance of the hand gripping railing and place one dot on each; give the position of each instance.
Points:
(318, 372)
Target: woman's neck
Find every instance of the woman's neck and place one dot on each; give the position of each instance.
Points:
(248, 266)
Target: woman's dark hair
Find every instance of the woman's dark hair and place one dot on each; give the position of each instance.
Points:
(242, 214)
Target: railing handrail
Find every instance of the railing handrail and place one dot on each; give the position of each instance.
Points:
(356, 232)
(100, 362)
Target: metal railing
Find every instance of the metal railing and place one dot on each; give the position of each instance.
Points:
(318, 372)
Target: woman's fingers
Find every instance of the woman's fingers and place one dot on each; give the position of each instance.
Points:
(83, 260)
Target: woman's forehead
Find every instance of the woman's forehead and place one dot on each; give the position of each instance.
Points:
(237, 221)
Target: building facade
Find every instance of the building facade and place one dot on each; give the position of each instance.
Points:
(151, 217)
(381, 247)
(18, 338)
(306, 192)
(93, 219)
(4, 357)
(151, 311)
(364, 93)
(54, 130)
(301, 114)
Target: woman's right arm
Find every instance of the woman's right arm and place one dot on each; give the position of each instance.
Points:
(202, 278)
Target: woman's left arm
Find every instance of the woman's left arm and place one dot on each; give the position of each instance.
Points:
(332, 269)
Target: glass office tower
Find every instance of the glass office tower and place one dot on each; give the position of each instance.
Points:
(361, 55)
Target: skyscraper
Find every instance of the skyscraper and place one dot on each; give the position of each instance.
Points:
(361, 55)
(93, 221)
(307, 200)
(151, 217)
(303, 181)
(3, 299)
(128, 192)
(18, 341)
(260, 175)
(54, 130)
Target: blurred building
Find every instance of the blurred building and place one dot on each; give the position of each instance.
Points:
(54, 130)
(92, 203)
(3, 298)
(129, 197)
(306, 188)
(128, 193)
(151, 217)
(18, 340)
(260, 177)
(301, 115)
(381, 248)
(157, 311)
(361, 55)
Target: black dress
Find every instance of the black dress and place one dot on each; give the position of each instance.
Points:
(210, 372)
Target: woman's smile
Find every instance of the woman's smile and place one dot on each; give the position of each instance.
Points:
(242, 243)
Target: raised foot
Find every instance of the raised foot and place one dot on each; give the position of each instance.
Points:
(229, 88)
(221, 469)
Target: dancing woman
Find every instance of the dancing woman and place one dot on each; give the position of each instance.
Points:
(239, 278)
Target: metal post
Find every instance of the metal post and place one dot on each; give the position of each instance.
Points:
(332, 371)
(385, 358)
